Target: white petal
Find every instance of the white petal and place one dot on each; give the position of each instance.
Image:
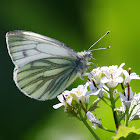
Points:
(97, 92)
(91, 74)
(126, 92)
(121, 65)
(112, 84)
(86, 74)
(69, 101)
(134, 76)
(104, 80)
(89, 92)
(118, 80)
(107, 73)
(80, 87)
(87, 99)
(58, 105)
(136, 113)
(127, 80)
(137, 96)
(104, 68)
(60, 98)
(90, 116)
(87, 84)
(92, 87)
(131, 93)
(101, 85)
(122, 96)
(117, 73)
(74, 90)
(85, 89)
(125, 73)
(113, 67)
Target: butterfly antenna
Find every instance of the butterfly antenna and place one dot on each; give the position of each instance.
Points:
(98, 41)
(101, 48)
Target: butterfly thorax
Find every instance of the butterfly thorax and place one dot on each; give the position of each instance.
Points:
(83, 63)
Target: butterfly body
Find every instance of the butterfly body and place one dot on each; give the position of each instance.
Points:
(44, 67)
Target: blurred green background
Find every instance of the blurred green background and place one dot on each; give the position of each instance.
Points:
(78, 23)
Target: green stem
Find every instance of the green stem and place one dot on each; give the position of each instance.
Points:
(121, 117)
(89, 128)
(117, 98)
(106, 98)
(85, 117)
(126, 117)
(113, 111)
(105, 101)
(85, 110)
(106, 129)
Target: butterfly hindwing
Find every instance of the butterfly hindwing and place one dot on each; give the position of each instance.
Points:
(45, 79)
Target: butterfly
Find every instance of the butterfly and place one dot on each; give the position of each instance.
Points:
(44, 67)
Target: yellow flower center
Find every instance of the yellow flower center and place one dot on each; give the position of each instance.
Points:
(79, 92)
(67, 97)
(111, 72)
(95, 71)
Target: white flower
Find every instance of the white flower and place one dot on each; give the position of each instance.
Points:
(95, 75)
(93, 119)
(80, 93)
(112, 75)
(76, 94)
(128, 77)
(64, 98)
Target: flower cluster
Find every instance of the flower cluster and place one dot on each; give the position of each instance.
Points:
(76, 95)
(103, 82)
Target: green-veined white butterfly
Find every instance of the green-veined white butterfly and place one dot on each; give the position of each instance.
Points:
(44, 67)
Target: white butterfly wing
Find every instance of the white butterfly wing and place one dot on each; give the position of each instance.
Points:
(44, 66)
(25, 47)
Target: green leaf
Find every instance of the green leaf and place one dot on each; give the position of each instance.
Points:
(127, 133)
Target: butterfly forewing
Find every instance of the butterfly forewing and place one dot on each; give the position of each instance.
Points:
(25, 47)
(44, 66)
